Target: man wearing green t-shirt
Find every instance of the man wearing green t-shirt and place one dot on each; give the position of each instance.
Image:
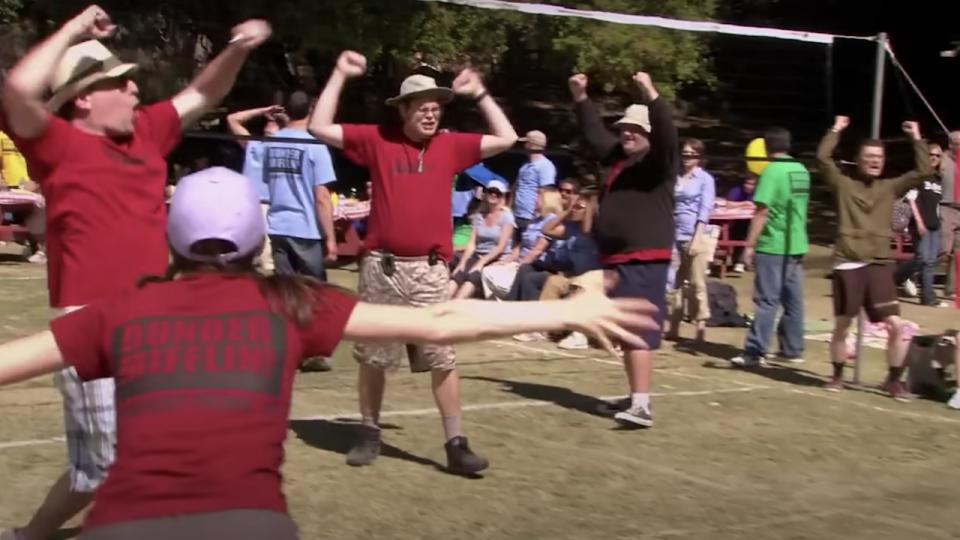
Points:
(776, 245)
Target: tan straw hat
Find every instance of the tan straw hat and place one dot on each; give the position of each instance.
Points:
(416, 86)
(82, 66)
(536, 138)
(637, 115)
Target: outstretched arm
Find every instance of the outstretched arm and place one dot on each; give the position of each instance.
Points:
(502, 137)
(922, 169)
(471, 320)
(828, 168)
(28, 81)
(595, 134)
(29, 357)
(213, 84)
(350, 64)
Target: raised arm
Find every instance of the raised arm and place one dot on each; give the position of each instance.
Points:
(601, 142)
(29, 357)
(502, 136)
(828, 167)
(214, 82)
(922, 169)
(28, 81)
(350, 64)
(471, 320)
(236, 121)
(664, 139)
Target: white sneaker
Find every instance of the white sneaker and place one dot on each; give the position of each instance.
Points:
(910, 288)
(738, 268)
(748, 362)
(574, 341)
(38, 258)
(529, 337)
(634, 417)
(954, 402)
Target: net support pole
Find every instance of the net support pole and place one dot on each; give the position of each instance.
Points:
(875, 122)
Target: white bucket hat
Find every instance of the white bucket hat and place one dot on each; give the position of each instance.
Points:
(637, 115)
(421, 86)
(82, 66)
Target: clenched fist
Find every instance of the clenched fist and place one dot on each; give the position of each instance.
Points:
(578, 86)
(352, 64)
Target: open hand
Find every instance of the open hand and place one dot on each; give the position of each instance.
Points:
(251, 34)
(92, 23)
(352, 64)
(468, 84)
(594, 314)
(578, 86)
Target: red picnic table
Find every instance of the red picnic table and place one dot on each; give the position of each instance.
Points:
(16, 202)
(723, 217)
(345, 216)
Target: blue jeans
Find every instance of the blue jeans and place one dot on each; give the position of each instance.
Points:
(778, 282)
(926, 248)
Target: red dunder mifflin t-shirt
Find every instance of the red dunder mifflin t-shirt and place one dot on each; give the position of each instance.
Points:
(410, 211)
(204, 371)
(106, 220)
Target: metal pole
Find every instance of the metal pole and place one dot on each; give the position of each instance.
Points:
(875, 123)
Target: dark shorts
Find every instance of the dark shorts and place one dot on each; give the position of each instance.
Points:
(466, 276)
(298, 256)
(870, 288)
(644, 279)
(232, 525)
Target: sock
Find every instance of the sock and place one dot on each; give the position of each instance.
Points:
(895, 373)
(451, 427)
(838, 370)
(370, 421)
(640, 399)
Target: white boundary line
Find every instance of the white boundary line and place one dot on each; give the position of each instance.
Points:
(896, 412)
(502, 405)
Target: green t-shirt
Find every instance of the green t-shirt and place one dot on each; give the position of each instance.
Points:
(784, 188)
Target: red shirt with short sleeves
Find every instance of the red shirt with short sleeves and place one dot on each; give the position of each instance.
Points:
(410, 210)
(106, 220)
(204, 371)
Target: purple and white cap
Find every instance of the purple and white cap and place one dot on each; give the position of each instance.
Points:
(215, 203)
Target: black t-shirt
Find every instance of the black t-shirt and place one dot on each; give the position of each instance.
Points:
(928, 202)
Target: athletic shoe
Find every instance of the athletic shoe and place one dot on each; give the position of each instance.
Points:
(738, 268)
(954, 402)
(367, 448)
(462, 460)
(910, 288)
(634, 417)
(748, 362)
(835, 384)
(529, 337)
(898, 391)
(38, 258)
(574, 341)
(316, 364)
(780, 357)
(610, 408)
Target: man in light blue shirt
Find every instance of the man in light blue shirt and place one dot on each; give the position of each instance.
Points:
(537, 173)
(253, 161)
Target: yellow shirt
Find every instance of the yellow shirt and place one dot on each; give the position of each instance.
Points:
(14, 165)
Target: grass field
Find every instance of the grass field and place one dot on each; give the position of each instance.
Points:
(735, 454)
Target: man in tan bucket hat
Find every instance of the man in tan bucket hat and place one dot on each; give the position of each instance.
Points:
(410, 232)
(99, 159)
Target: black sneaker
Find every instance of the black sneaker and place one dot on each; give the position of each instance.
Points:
(462, 460)
(315, 365)
(367, 448)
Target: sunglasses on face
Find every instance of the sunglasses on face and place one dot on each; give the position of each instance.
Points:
(935, 154)
(493, 192)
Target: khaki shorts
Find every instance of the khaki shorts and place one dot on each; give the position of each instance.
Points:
(414, 283)
(869, 287)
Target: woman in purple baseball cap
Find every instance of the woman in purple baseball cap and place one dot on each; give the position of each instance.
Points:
(204, 359)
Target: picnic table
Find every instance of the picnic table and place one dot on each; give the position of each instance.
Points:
(346, 216)
(723, 217)
(17, 202)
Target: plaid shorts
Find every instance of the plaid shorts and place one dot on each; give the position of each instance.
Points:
(414, 282)
(89, 419)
